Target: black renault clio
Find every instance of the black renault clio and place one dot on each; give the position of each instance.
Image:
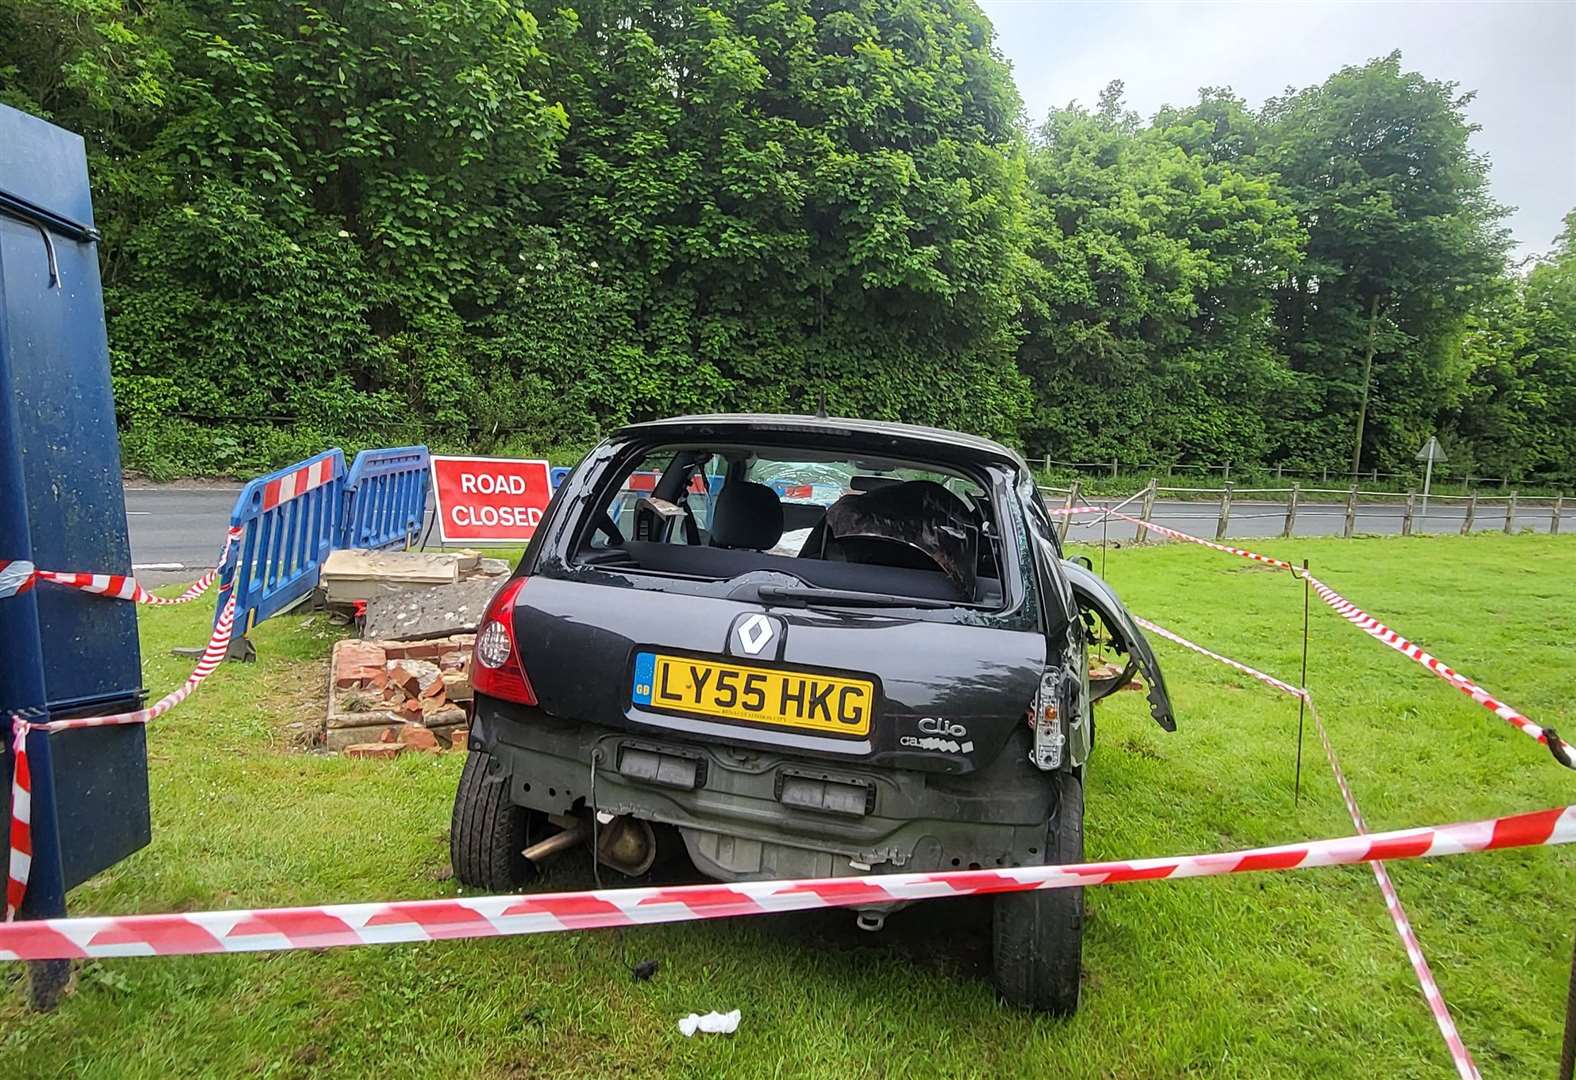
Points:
(806, 647)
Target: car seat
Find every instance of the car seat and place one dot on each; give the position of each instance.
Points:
(748, 516)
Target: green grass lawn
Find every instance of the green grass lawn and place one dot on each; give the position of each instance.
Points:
(1287, 974)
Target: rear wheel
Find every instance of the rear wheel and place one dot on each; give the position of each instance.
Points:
(487, 831)
(1037, 937)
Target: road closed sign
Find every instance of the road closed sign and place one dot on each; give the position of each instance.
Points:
(489, 500)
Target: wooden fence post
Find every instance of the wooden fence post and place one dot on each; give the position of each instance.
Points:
(1113, 468)
(1277, 472)
(1324, 475)
(1466, 525)
(1351, 512)
(1510, 514)
(1072, 494)
(1291, 510)
(1225, 512)
(1554, 518)
(1147, 512)
(1227, 474)
(1411, 508)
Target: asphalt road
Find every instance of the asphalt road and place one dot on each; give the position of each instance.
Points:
(184, 527)
(178, 528)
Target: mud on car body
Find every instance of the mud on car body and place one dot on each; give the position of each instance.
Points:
(802, 647)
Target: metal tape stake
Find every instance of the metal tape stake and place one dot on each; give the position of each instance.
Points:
(1302, 702)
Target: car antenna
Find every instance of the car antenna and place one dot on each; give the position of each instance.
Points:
(820, 407)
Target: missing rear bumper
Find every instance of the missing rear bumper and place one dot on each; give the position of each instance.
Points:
(746, 814)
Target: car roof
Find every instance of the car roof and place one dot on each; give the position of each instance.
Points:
(870, 435)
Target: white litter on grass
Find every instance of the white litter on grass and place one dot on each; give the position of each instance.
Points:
(713, 1023)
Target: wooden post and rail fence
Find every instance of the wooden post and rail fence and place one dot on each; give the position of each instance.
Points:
(1392, 512)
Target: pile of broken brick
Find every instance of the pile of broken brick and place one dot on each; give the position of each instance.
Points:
(387, 697)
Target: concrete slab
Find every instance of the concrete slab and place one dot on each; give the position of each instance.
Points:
(430, 611)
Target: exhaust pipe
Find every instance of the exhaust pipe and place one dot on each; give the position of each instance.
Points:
(626, 844)
(572, 833)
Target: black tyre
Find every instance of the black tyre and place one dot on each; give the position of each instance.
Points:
(1037, 937)
(487, 831)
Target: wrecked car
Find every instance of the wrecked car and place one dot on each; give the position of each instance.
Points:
(804, 647)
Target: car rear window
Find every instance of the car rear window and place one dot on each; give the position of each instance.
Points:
(833, 521)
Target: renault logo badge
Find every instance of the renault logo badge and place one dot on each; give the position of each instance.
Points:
(755, 633)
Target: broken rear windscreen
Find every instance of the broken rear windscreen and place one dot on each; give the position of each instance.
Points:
(804, 524)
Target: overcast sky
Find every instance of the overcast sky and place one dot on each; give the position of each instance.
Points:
(1519, 55)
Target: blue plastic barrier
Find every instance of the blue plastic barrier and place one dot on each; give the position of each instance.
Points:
(290, 520)
(385, 498)
(558, 474)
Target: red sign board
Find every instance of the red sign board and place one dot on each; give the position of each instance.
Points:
(489, 500)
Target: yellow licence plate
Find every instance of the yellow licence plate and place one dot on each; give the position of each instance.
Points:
(756, 695)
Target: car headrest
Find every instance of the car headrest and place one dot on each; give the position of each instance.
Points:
(747, 515)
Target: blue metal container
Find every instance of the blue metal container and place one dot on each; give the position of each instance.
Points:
(62, 507)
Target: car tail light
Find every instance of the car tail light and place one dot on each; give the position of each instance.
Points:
(1046, 723)
(496, 669)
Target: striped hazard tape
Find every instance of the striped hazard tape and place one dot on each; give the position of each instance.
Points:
(1268, 680)
(501, 916)
(21, 859)
(1459, 1055)
(297, 483)
(1563, 751)
(1178, 534)
(18, 576)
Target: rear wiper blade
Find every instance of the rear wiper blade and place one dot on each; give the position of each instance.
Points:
(804, 595)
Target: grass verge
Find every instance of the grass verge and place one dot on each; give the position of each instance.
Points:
(1287, 974)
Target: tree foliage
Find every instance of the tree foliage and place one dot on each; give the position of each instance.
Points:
(1517, 416)
(1403, 244)
(499, 224)
(1146, 310)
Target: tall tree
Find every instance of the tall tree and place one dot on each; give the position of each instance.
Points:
(798, 196)
(1403, 241)
(1518, 417)
(1146, 308)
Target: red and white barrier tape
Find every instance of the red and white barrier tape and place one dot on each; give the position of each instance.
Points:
(21, 775)
(1563, 751)
(18, 576)
(1177, 534)
(1459, 1055)
(297, 483)
(496, 916)
(1268, 680)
